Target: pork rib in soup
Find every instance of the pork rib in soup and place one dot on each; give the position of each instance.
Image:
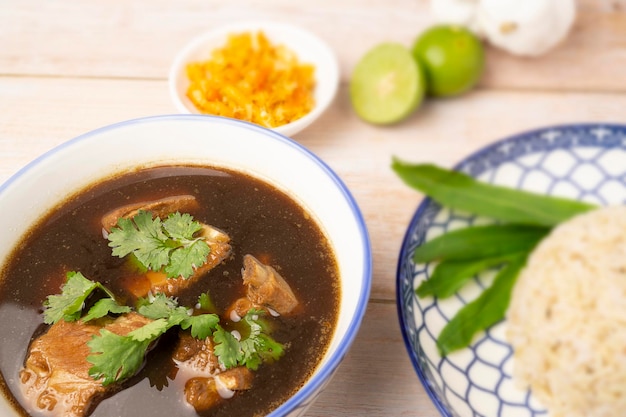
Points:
(56, 377)
(235, 331)
(157, 281)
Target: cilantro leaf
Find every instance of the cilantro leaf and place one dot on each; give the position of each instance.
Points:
(205, 303)
(69, 304)
(163, 307)
(178, 316)
(142, 236)
(227, 348)
(167, 245)
(181, 226)
(103, 307)
(115, 357)
(159, 307)
(268, 348)
(202, 326)
(150, 331)
(185, 258)
(259, 346)
(251, 318)
(250, 357)
(256, 348)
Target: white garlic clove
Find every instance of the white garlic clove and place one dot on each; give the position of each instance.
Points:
(528, 27)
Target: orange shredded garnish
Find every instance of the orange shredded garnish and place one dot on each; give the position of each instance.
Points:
(251, 79)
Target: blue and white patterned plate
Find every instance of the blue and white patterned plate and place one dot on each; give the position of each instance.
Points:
(585, 162)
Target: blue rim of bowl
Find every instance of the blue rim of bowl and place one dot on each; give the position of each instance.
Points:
(427, 201)
(317, 381)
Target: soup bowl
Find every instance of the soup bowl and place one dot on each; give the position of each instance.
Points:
(212, 141)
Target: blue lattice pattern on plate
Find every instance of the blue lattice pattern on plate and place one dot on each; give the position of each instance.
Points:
(585, 162)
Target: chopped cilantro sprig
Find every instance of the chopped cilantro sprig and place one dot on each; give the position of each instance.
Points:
(117, 357)
(169, 245)
(167, 308)
(114, 357)
(74, 293)
(256, 348)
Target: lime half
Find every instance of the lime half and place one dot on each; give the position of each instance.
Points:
(387, 84)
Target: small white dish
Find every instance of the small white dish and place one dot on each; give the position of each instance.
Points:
(308, 47)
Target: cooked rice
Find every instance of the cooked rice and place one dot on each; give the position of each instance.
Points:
(567, 317)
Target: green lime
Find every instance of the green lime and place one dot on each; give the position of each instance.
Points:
(387, 84)
(451, 57)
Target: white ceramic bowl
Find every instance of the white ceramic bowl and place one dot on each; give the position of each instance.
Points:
(215, 141)
(307, 46)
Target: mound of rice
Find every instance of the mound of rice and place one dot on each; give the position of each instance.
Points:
(567, 317)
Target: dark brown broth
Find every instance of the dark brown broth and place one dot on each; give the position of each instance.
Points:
(259, 219)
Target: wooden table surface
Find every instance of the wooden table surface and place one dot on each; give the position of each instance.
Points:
(67, 67)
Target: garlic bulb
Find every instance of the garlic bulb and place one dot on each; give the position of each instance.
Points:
(528, 27)
(521, 27)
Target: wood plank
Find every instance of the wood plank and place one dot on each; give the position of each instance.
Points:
(125, 39)
(117, 38)
(38, 114)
